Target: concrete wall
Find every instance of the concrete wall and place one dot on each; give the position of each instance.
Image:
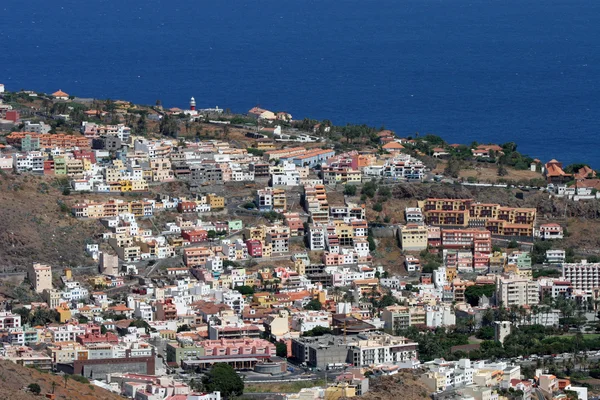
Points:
(97, 369)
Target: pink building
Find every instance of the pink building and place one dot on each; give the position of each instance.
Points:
(239, 353)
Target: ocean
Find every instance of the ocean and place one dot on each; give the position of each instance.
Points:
(468, 70)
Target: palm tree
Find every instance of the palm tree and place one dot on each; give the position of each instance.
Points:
(66, 378)
(53, 384)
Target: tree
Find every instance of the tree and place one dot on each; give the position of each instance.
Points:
(245, 290)
(223, 378)
(372, 244)
(369, 189)
(212, 234)
(317, 331)
(168, 126)
(474, 292)
(183, 328)
(34, 388)
(249, 205)
(377, 207)
(502, 171)
(314, 304)
(281, 349)
(350, 190)
(24, 313)
(513, 244)
(453, 168)
(140, 128)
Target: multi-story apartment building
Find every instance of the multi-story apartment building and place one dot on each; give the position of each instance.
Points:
(377, 348)
(112, 208)
(197, 256)
(515, 291)
(9, 320)
(583, 276)
(555, 256)
(341, 175)
(90, 129)
(165, 310)
(40, 277)
(413, 237)
(413, 215)
(28, 141)
(317, 237)
(205, 174)
(239, 353)
(476, 240)
(504, 221)
(271, 199)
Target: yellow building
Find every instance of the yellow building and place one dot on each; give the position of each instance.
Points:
(215, 202)
(342, 389)
(67, 352)
(64, 313)
(139, 185)
(413, 237)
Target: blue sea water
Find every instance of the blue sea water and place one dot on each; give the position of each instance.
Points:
(486, 70)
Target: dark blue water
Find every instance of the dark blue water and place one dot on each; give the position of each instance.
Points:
(492, 71)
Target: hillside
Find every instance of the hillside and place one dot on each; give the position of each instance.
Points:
(14, 378)
(37, 226)
(405, 385)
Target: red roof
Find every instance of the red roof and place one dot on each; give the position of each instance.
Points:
(60, 93)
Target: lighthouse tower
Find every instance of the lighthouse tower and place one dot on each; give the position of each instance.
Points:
(192, 104)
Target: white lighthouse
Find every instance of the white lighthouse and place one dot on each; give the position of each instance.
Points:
(192, 104)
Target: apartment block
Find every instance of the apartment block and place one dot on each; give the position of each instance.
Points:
(378, 348)
(477, 240)
(413, 237)
(40, 277)
(515, 291)
(583, 276)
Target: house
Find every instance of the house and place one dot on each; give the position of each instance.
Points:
(260, 113)
(584, 172)
(439, 152)
(551, 231)
(393, 146)
(554, 172)
(60, 95)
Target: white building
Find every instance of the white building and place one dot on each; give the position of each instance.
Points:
(583, 276)
(413, 215)
(307, 320)
(555, 256)
(517, 291)
(381, 348)
(316, 237)
(437, 316)
(551, 231)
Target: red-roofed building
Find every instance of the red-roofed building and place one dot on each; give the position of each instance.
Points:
(60, 95)
(554, 172)
(195, 236)
(85, 154)
(88, 338)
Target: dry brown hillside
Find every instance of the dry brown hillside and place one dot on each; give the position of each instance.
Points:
(15, 378)
(405, 385)
(36, 228)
